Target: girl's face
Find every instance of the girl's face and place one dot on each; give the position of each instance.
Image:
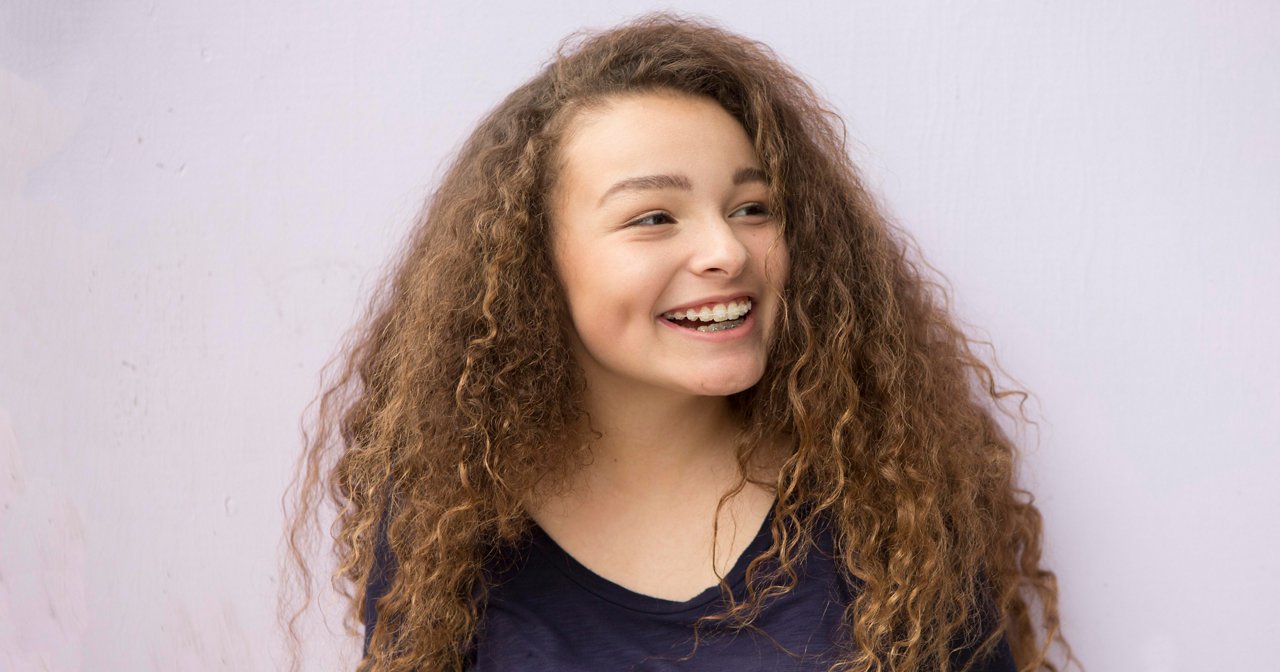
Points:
(666, 247)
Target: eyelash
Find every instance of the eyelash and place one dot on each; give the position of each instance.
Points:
(764, 212)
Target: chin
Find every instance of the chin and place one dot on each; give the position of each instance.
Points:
(723, 387)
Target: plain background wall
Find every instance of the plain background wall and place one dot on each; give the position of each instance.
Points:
(195, 199)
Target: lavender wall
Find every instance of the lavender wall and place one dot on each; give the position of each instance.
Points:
(195, 197)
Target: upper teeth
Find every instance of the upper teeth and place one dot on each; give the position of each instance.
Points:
(714, 313)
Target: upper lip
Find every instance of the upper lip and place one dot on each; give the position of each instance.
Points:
(711, 301)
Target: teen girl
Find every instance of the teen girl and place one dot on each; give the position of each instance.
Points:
(654, 386)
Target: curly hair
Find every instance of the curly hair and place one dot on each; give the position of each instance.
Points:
(448, 407)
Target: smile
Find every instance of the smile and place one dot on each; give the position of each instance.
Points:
(712, 318)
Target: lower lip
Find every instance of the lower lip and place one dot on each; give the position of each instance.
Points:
(722, 336)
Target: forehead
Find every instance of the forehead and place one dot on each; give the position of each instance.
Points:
(650, 133)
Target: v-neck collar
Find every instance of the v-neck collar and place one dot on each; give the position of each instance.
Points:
(629, 599)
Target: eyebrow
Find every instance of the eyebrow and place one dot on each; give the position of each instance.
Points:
(676, 181)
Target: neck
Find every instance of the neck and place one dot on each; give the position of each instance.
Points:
(655, 444)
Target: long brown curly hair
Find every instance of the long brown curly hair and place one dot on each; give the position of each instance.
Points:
(449, 406)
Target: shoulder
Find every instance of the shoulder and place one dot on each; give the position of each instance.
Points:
(986, 620)
(380, 577)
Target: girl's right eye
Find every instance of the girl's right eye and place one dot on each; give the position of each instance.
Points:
(652, 219)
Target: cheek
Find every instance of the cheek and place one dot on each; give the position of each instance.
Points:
(607, 290)
(772, 249)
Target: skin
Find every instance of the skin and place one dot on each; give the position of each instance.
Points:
(641, 513)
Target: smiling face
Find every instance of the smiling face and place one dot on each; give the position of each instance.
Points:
(666, 248)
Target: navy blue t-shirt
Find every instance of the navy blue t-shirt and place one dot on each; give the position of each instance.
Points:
(546, 611)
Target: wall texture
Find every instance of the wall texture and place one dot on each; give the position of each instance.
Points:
(195, 198)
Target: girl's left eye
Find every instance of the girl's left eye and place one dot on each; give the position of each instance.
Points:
(754, 210)
(652, 219)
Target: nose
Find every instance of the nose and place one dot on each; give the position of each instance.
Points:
(718, 248)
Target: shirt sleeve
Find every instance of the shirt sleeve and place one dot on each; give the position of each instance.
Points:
(1000, 658)
(379, 582)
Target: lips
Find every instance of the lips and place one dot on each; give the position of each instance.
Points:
(723, 330)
